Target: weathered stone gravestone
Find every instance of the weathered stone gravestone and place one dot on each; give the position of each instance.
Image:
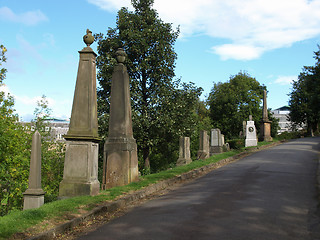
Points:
(217, 141)
(80, 175)
(265, 127)
(184, 151)
(203, 152)
(34, 196)
(120, 163)
(251, 134)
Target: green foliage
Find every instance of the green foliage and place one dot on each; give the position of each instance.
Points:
(162, 109)
(291, 135)
(232, 102)
(15, 151)
(2, 59)
(236, 143)
(304, 100)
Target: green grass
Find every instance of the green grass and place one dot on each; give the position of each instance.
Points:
(20, 221)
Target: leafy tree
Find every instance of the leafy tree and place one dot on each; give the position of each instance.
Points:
(232, 102)
(159, 114)
(14, 151)
(304, 100)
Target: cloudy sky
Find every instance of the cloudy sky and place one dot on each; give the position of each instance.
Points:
(271, 40)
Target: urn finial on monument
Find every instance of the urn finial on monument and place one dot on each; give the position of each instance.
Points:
(88, 38)
(121, 55)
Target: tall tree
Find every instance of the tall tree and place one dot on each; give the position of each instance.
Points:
(149, 44)
(232, 102)
(14, 150)
(304, 100)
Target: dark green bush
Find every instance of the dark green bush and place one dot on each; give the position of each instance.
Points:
(236, 143)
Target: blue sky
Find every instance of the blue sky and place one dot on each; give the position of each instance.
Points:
(271, 40)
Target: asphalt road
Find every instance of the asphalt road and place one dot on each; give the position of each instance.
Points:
(270, 195)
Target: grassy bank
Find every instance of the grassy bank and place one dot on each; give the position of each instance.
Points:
(20, 221)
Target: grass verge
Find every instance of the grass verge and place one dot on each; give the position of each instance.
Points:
(20, 221)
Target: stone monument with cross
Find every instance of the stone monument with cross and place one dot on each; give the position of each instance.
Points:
(80, 175)
(265, 125)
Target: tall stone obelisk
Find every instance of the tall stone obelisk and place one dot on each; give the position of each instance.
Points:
(80, 175)
(34, 196)
(120, 164)
(265, 126)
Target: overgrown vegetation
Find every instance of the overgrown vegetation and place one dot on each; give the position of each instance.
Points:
(15, 150)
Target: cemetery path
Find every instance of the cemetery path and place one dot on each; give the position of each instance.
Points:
(271, 194)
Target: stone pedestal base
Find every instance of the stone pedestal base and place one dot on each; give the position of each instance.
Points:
(251, 142)
(183, 161)
(216, 150)
(120, 163)
(33, 198)
(202, 154)
(80, 175)
(265, 132)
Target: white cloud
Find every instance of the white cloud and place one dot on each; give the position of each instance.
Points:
(285, 80)
(27, 18)
(238, 52)
(253, 25)
(111, 5)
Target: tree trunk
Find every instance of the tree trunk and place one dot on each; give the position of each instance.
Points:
(146, 153)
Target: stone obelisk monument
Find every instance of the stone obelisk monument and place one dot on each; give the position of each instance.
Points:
(34, 196)
(120, 164)
(80, 175)
(265, 127)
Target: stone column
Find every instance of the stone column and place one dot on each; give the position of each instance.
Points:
(120, 163)
(265, 125)
(80, 175)
(34, 196)
(184, 151)
(203, 152)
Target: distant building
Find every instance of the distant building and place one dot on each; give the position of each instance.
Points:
(57, 128)
(283, 115)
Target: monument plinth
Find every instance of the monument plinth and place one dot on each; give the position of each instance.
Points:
(80, 175)
(265, 125)
(120, 163)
